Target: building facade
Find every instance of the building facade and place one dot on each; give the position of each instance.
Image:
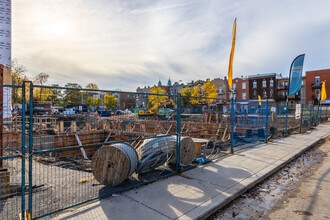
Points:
(222, 86)
(142, 99)
(263, 85)
(241, 88)
(314, 81)
(282, 93)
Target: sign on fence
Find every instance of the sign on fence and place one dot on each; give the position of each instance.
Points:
(273, 109)
(298, 111)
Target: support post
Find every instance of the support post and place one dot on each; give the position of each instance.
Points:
(30, 147)
(301, 117)
(266, 130)
(178, 130)
(286, 116)
(310, 117)
(232, 125)
(23, 152)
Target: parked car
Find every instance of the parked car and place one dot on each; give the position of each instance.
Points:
(126, 111)
(119, 112)
(104, 113)
(196, 111)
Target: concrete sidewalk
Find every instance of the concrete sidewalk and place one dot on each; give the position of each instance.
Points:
(212, 185)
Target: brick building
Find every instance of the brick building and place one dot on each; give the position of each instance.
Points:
(282, 92)
(142, 99)
(222, 86)
(241, 88)
(263, 85)
(313, 86)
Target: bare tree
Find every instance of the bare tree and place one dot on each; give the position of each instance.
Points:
(41, 79)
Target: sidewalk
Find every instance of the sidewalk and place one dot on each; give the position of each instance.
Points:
(212, 185)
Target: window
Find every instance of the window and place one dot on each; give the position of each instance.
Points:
(271, 83)
(244, 96)
(255, 94)
(264, 94)
(264, 83)
(271, 94)
(286, 83)
(234, 85)
(244, 85)
(220, 89)
(255, 84)
(317, 80)
(317, 93)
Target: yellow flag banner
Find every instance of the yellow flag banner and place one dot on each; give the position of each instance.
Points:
(230, 69)
(323, 92)
(259, 100)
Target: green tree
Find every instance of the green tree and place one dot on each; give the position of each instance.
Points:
(185, 96)
(110, 101)
(56, 95)
(92, 86)
(73, 96)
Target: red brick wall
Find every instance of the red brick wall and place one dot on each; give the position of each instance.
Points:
(310, 79)
(239, 90)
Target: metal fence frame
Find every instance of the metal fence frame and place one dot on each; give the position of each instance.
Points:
(27, 153)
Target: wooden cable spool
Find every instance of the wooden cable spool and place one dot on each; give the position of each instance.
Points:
(188, 151)
(113, 164)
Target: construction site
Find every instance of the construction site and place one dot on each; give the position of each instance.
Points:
(53, 161)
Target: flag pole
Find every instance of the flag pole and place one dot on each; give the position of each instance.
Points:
(318, 106)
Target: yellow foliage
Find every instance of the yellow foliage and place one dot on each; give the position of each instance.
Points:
(110, 101)
(42, 95)
(209, 91)
(195, 95)
(157, 99)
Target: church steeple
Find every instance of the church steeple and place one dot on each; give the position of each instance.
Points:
(159, 83)
(169, 83)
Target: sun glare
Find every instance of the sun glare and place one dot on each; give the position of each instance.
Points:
(56, 28)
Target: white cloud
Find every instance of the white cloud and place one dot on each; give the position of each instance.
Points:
(133, 43)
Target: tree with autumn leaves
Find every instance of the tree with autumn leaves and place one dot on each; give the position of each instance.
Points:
(206, 93)
(157, 99)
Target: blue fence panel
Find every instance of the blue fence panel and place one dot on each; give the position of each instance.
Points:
(249, 123)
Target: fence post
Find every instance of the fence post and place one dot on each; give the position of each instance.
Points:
(301, 117)
(310, 117)
(266, 132)
(320, 113)
(178, 130)
(232, 126)
(30, 149)
(286, 118)
(23, 152)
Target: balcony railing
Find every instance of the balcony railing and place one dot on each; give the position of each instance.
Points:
(282, 87)
(316, 86)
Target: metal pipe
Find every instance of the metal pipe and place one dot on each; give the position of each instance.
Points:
(30, 147)
(232, 126)
(23, 153)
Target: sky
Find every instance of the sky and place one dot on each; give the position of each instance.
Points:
(123, 44)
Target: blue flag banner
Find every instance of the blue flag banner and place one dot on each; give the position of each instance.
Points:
(295, 79)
